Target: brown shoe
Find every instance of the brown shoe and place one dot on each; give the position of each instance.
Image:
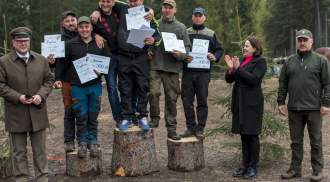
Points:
(69, 146)
(316, 176)
(187, 133)
(291, 174)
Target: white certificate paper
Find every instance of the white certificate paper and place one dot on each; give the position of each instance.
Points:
(170, 41)
(52, 38)
(136, 36)
(135, 18)
(84, 70)
(199, 60)
(57, 48)
(181, 47)
(200, 45)
(99, 63)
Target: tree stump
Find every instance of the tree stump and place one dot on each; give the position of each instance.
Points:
(88, 166)
(186, 154)
(134, 153)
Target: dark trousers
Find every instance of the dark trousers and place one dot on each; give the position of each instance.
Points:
(250, 150)
(195, 84)
(69, 118)
(87, 104)
(297, 122)
(133, 77)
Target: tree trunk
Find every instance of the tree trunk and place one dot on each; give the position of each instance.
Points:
(88, 166)
(134, 153)
(186, 154)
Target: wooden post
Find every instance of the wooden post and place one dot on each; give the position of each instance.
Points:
(134, 153)
(186, 154)
(88, 166)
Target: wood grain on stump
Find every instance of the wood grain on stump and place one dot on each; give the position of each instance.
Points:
(134, 153)
(186, 154)
(88, 166)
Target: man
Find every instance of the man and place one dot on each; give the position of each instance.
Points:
(165, 68)
(134, 70)
(305, 77)
(25, 83)
(68, 31)
(195, 81)
(86, 96)
(106, 21)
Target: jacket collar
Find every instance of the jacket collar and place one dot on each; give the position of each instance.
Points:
(168, 21)
(13, 56)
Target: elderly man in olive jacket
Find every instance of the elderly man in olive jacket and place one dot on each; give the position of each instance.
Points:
(25, 83)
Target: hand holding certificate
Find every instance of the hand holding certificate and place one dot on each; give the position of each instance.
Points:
(137, 36)
(172, 43)
(99, 63)
(135, 18)
(53, 45)
(199, 53)
(84, 69)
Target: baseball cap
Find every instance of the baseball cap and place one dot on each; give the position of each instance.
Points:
(199, 10)
(304, 33)
(84, 19)
(170, 2)
(67, 13)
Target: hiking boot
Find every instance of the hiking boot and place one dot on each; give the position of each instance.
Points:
(239, 172)
(188, 133)
(173, 135)
(250, 173)
(93, 150)
(125, 124)
(200, 135)
(143, 124)
(316, 176)
(69, 146)
(290, 174)
(82, 150)
(153, 124)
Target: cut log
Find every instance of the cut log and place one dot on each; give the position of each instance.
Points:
(186, 154)
(134, 153)
(89, 166)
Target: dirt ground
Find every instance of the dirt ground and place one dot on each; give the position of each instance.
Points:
(220, 160)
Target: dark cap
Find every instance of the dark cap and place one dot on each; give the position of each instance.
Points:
(20, 32)
(68, 13)
(170, 2)
(199, 10)
(304, 33)
(84, 19)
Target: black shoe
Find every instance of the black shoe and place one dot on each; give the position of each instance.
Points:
(173, 135)
(93, 150)
(188, 133)
(153, 124)
(200, 135)
(250, 173)
(316, 176)
(290, 174)
(82, 150)
(239, 172)
(69, 146)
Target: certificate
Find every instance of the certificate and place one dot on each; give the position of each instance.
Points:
(136, 36)
(200, 45)
(99, 63)
(170, 41)
(199, 60)
(57, 48)
(52, 38)
(135, 18)
(84, 70)
(181, 47)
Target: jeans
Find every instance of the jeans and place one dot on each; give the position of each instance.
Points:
(111, 80)
(86, 106)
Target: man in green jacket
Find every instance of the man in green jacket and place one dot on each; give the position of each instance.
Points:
(165, 68)
(305, 78)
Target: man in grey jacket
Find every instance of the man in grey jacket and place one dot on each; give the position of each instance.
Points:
(165, 68)
(305, 78)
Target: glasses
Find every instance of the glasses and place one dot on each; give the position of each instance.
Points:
(21, 41)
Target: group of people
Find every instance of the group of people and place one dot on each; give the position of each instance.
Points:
(26, 81)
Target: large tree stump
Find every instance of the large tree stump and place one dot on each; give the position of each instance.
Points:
(88, 166)
(134, 153)
(186, 154)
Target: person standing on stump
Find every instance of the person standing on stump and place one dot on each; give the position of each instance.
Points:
(305, 78)
(165, 68)
(195, 81)
(25, 83)
(247, 102)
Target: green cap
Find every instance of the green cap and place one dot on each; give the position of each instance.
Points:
(84, 19)
(20, 32)
(170, 2)
(304, 33)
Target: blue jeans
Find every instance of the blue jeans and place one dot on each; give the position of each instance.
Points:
(86, 106)
(111, 80)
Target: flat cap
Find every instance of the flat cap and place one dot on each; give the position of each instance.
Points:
(170, 2)
(20, 32)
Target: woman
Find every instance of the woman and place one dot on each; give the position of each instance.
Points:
(247, 102)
